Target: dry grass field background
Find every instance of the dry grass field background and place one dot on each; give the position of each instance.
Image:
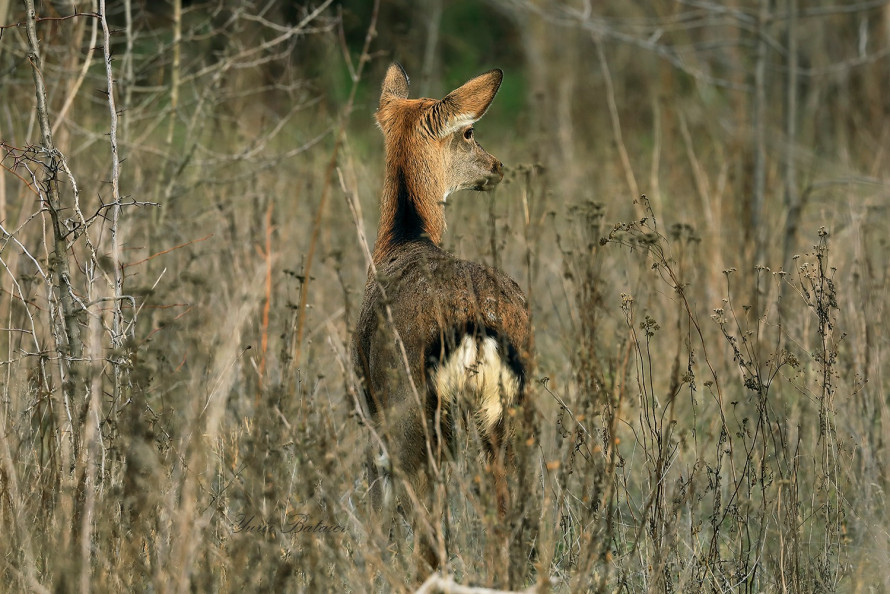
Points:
(696, 204)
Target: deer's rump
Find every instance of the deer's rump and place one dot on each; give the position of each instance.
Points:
(464, 327)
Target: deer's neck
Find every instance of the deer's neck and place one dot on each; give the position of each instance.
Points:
(411, 209)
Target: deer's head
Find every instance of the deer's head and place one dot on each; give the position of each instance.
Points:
(432, 142)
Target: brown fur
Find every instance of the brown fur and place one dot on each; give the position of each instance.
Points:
(434, 298)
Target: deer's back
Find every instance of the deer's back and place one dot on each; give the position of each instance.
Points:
(436, 301)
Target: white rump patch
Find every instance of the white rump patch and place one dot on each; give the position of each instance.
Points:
(457, 122)
(476, 373)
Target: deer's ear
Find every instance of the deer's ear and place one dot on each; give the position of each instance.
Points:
(395, 84)
(469, 102)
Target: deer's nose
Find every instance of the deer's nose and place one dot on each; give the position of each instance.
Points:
(498, 169)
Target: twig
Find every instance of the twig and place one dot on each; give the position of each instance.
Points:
(616, 122)
(175, 69)
(72, 346)
(167, 251)
(264, 334)
(72, 93)
(116, 338)
(364, 58)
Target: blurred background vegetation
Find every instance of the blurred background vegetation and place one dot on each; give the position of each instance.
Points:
(696, 204)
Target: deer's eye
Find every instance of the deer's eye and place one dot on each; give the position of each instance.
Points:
(468, 134)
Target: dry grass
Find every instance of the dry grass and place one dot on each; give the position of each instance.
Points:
(699, 422)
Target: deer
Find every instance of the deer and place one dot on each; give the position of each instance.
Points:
(435, 333)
